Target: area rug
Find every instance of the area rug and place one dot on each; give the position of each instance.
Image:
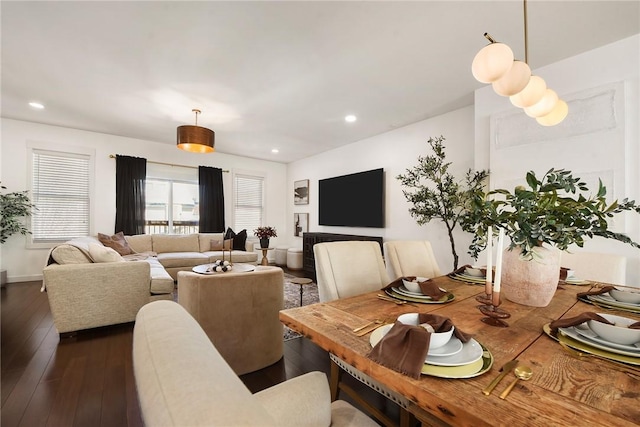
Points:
(292, 299)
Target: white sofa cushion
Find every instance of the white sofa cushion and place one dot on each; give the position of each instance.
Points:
(101, 253)
(175, 243)
(206, 238)
(140, 242)
(236, 256)
(68, 254)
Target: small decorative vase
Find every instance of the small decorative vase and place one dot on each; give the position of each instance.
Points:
(264, 242)
(531, 282)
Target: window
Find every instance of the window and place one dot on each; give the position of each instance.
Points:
(248, 199)
(60, 187)
(172, 196)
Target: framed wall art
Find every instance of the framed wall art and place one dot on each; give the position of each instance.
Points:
(300, 224)
(301, 192)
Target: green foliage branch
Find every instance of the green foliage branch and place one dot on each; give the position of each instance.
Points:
(556, 209)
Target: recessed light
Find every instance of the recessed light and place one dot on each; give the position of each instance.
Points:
(36, 105)
(275, 150)
(350, 118)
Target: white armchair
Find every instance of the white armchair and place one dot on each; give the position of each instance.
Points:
(410, 258)
(182, 380)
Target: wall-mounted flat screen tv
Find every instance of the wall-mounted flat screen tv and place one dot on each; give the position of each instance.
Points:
(355, 200)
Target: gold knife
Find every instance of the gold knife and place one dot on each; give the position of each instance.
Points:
(506, 368)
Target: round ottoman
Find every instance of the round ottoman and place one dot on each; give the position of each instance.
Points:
(281, 255)
(294, 259)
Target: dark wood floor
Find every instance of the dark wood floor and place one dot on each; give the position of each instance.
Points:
(87, 379)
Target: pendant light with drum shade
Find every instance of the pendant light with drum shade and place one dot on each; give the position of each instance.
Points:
(196, 139)
(495, 64)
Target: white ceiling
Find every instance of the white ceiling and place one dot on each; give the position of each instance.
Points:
(273, 74)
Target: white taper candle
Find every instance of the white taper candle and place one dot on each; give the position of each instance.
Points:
(496, 283)
(489, 275)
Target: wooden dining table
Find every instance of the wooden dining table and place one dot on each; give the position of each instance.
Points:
(565, 389)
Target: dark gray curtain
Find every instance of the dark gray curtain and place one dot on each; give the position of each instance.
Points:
(131, 173)
(211, 200)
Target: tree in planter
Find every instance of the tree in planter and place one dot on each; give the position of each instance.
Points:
(13, 207)
(434, 193)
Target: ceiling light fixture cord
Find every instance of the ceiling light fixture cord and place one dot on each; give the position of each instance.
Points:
(526, 35)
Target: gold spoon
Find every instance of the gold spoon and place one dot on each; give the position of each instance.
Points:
(521, 372)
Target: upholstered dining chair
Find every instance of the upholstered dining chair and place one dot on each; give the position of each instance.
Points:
(345, 269)
(410, 258)
(601, 267)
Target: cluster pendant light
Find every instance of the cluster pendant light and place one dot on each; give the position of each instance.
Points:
(196, 139)
(495, 64)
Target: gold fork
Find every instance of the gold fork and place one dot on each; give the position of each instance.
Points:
(375, 322)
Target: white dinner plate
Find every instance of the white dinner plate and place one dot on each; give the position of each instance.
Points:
(610, 300)
(403, 291)
(454, 346)
(573, 333)
(467, 278)
(471, 351)
(584, 330)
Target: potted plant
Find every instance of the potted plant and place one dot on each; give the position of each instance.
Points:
(434, 193)
(549, 216)
(264, 233)
(13, 208)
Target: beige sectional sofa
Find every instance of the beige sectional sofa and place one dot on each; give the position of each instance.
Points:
(182, 380)
(89, 285)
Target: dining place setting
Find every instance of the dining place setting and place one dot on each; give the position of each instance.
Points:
(604, 336)
(418, 344)
(613, 297)
(413, 289)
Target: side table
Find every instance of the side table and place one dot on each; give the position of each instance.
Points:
(301, 281)
(265, 259)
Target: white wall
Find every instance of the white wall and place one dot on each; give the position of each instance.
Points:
(395, 151)
(26, 264)
(467, 136)
(614, 150)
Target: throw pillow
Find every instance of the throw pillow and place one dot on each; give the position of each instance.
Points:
(117, 242)
(101, 253)
(239, 240)
(216, 245)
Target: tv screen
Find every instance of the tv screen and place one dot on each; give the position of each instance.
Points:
(355, 200)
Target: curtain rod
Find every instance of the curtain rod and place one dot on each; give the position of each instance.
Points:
(111, 156)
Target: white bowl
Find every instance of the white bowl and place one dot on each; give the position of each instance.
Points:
(414, 286)
(474, 271)
(626, 295)
(618, 333)
(438, 339)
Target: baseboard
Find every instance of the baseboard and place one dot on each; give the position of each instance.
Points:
(17, 279)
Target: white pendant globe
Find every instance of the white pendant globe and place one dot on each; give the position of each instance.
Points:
(514, 81)
(492, 62)
(556, 115)
(531, 94)
(544, 106)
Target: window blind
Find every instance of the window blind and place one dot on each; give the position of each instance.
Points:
(248, 202)
(60, 190)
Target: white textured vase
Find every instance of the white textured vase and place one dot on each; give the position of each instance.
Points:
(531, 282)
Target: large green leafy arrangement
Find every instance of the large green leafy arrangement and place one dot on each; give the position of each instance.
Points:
(557, 209)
